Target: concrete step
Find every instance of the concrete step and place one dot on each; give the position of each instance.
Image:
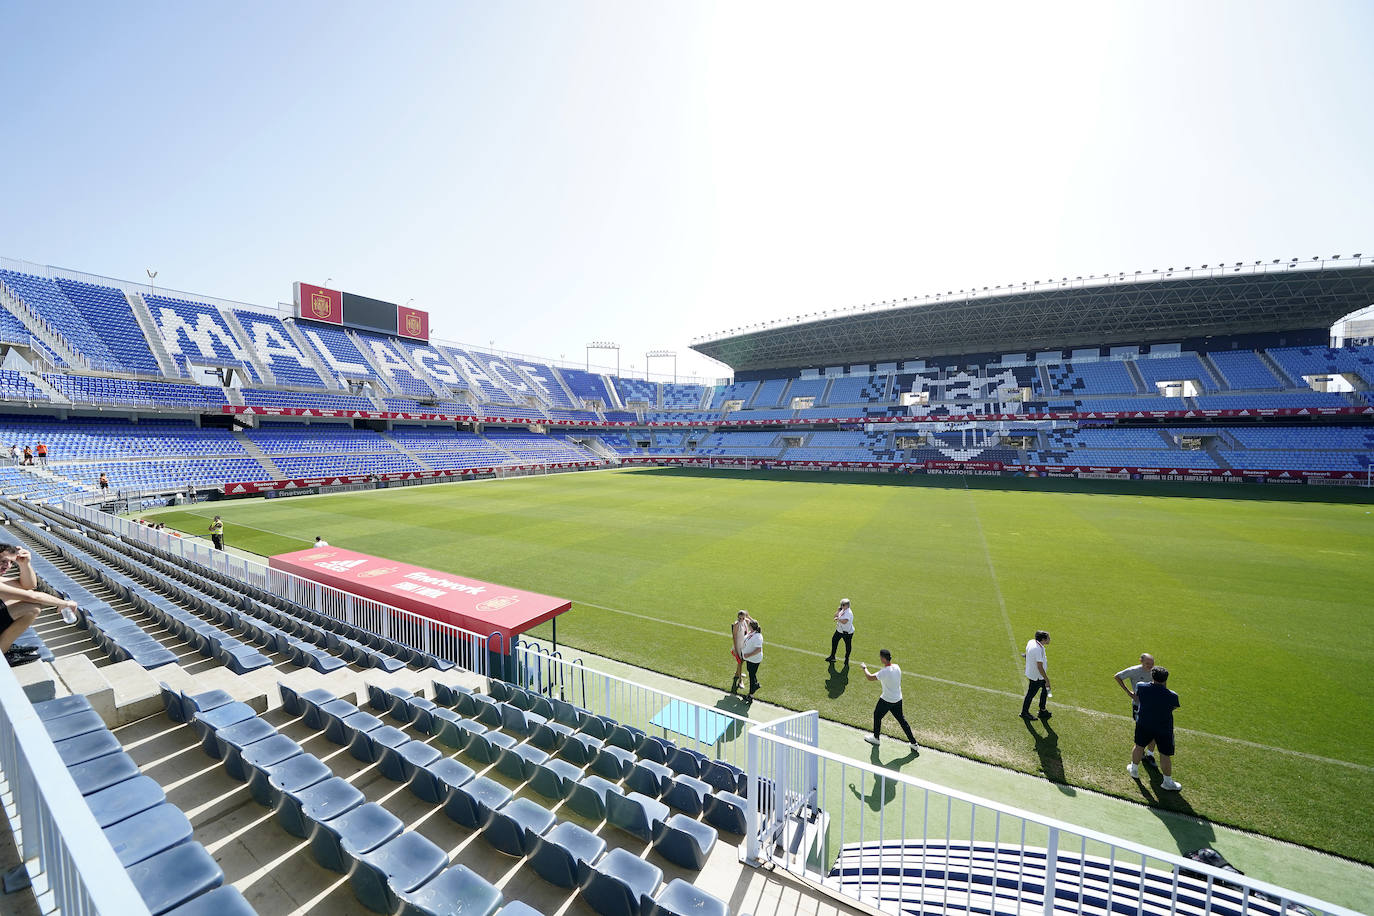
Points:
(137, 693)
(80, 676)
(39, 681)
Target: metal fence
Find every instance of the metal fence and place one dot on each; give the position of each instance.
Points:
(71, 864)
(881, 838)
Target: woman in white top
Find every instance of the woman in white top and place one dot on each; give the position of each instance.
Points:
(752, 650)
(844, 629)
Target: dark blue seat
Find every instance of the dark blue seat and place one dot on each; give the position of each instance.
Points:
(613, 762)
(580, 749)
(596, 726)
(487, 747)
(419, 712)
(487, 711)
(549, 736)
(365, 827)
(619, 882)
(62, 706)
(148, 833)
(625, 736)
(264, 753)
(294, 774)
(566, 713)
(472, 803)
(327, 716)
(443, 723)
(500, 691)
(518, 908)
(192, 703)
(726, 811)
(687, 795)
(433, 782)
(456, 891)
(563, 857)
(383, 700)
(449, 694)
(103, 772)
(724, 776)
(124, 800)
(514, 826)
(342, 729)
(70, 726)
(222, 901)
(518, 762)
(176, 876)
(681, 898)
(368, 746)
(319, 802)
(398, 763)
(230, 742)
(398, 866)
(292, 701)
(554, 778)
(648, 778)
(636, 814)
(588, 796)
(311, 707)
(688, 762)
(208, 721)
(657, 749)
(87, 747)
(683, 841)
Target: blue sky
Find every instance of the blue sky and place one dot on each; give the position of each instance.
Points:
(545, 174)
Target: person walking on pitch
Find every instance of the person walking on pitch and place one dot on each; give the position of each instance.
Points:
(889, 701)
(844, 629)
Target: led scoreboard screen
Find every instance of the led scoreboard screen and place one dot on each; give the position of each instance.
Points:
(330, 306)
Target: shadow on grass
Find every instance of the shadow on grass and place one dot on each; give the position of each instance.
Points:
(1249, 491)
(1047, 749)
(838, 681)
(1189, 830)
(883, 790)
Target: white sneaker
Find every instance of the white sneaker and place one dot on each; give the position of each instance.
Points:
(1133, 771)
(1171, 786)
(916, 747)
(871, 740)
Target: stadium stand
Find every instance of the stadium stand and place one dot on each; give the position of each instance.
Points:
(341, 356)
(401, 376)
(135, 392)
(107, 310)
(634, 390)
(196, 332)
(1186, 367)
(49, 304)
(1242, 370)
(272, 342)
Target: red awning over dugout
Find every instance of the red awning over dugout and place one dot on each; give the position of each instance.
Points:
(479, 607)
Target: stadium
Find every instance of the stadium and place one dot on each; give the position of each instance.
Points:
(282, 725)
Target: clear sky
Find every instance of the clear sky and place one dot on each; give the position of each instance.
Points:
(543, 174)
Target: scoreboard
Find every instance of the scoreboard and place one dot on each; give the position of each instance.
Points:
(349, 310)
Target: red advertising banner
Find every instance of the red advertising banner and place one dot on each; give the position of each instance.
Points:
(412, 323)
(315, 303)
(479, 607)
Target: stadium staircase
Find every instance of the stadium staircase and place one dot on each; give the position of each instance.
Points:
(1141, 386)
(255, 452)
(259, 364)
(144, 318)
(1215, 454)
(233, 395)
(43, 385)
(39, 328)
(1273, 366)
(396, 444)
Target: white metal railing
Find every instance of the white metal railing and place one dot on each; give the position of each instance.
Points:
(405, 627)
(70, 862)
(715, 732)
(876, 835)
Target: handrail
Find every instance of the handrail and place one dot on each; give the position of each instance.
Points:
(764, 732)
(53, 827)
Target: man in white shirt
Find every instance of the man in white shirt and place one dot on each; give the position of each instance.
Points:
(1037, 677)
(752, 650)
(320, 542)
(890, 676)
(1127, 678)
(844, 629)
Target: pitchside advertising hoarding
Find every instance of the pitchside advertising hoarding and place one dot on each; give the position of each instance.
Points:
(331, 306)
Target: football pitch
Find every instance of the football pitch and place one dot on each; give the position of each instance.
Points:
(1257, 600)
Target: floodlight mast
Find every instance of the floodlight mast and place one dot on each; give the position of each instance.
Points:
(660, 354)
(602, 345)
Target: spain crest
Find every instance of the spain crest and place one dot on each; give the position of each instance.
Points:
(320, 304)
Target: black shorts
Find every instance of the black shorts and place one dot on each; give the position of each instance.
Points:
(1163, 738)
(5, 618)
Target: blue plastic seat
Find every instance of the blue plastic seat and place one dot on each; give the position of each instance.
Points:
(419, 712)
(726, 811)
(625, 736)
(326, 717)
(445, 724)
(549, 736)
(449, 694)
(687, 795)
(514, 826)
(596, 726)
(636, 814)
(657, 749)
(563, 857)
(433, 782)
(383, 700)
(554, 778)
(103, 772)
(343, 729)
(230, 742)
(222, 901)
(148, 833)
(87, 747)
(192, 703)
(619, 882)
(680, 898)
(368, 746)
(71, 726)
(175, 876)
(365, 828)
(613, 762)
(488, 710)
(456, 891)
(687, 762)
(264, 753)
(124, 800)
(684, 841)
(292, 701)
(580, 749)
(311, 706)
(472, 803)
(518, 908)
(480, 748)
(294, 774)
(518, 762)
(398, 866)
(62, 706)
(588, 796)
(208, 721)
(398, 763)
(499, 690)
(322, 801)
(724, 776)
(648, 778)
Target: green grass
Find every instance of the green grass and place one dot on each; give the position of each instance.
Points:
(1256, 599)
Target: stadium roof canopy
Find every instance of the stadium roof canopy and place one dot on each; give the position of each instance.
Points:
(1097, 311)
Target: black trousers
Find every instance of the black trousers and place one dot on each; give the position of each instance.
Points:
(882, 709)
(1031, 689)
(218, 541)
(835, 643)
(753, 669)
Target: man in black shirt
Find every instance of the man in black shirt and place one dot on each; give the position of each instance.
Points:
(1155, 722)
